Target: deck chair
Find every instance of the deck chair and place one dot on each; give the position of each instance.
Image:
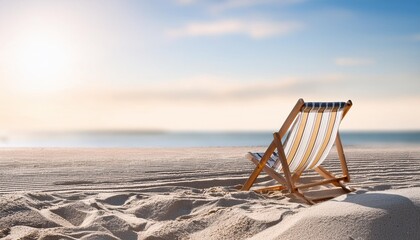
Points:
(303, 142)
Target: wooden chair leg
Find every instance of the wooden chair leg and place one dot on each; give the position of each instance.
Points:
(285, 165)
(342, 157)
(248, 184)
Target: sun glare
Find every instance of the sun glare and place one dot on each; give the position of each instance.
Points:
(43, 63)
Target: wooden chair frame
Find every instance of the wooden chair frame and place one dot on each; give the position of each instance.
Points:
(290, 181)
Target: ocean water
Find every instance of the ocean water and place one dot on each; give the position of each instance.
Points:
(188, 139)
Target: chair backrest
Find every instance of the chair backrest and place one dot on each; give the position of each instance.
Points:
(312, 134)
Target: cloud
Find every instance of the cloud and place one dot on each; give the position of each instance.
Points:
(233, 4)
(185, 2)
(253, 29)
(352, 62)
(209, 102)
(214, 89)
(219, 6)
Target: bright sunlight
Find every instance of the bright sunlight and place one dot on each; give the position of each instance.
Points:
(43, 63)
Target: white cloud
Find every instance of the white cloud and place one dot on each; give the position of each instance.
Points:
(223, 5)
(253, 29)
(211, 102)
(233, 4)
(185, 2)
(351, 62)
(219, 89)
(181, 104)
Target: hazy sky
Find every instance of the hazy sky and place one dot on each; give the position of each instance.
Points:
(206, 65)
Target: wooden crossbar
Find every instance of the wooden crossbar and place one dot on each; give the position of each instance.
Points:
(323, 182)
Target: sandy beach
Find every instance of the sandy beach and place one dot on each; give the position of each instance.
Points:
(134, 120)
(190, 193)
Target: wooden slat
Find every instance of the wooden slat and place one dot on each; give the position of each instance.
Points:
(323, 182)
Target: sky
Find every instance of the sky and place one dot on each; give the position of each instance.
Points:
(201, 65)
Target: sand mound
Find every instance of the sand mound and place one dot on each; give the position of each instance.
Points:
(214, 213)
(393, 214)
(17, 210)
(178, 213)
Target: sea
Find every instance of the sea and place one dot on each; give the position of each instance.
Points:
(158, 139)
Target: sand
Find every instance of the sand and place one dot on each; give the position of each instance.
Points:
(191, 193)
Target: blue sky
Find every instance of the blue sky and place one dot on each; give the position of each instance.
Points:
(205, 65)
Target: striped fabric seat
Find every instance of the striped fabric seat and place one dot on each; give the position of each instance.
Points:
(271, 161)
(310, 137)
